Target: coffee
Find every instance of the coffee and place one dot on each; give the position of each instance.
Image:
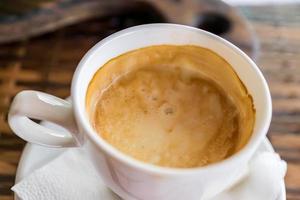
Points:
(172, 106)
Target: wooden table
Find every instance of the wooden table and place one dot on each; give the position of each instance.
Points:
(47, 62)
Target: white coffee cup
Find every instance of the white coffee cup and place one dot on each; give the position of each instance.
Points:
(129, 178)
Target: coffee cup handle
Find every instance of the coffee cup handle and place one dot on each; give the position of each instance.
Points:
(29, 105)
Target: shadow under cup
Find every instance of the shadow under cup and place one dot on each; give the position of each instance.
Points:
(205, 178)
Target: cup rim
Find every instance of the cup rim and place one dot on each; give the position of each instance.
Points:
(251, 145)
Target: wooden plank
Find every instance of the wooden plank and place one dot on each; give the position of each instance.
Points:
(10, 156)
(292, 178)
(286, 141)
(282, 127)
(286, 105)
(285, 90)
(60, 76)
(4, 128)
(7, 168)
(6, 183)
(6, 197)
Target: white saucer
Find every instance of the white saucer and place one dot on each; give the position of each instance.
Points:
(35, 156)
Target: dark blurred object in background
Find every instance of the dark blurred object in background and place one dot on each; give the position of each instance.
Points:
(19, 7)
(21, 19)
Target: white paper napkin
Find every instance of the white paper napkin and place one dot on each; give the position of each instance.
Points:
(263, 182)
(71, 176)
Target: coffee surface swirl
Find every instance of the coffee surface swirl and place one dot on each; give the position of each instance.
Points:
(172, 106)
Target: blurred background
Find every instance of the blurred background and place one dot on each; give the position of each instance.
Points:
(41, 42)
